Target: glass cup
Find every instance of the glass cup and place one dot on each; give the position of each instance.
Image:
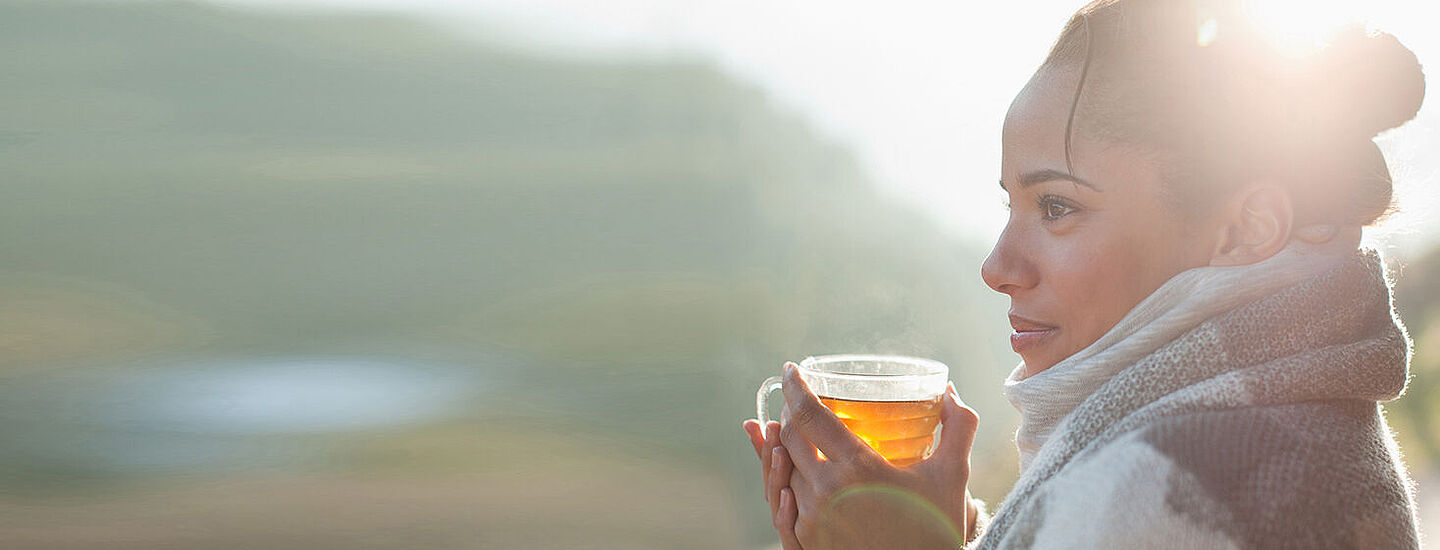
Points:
(889, 401)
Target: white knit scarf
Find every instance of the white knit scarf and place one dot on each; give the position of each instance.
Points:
(1186, 300)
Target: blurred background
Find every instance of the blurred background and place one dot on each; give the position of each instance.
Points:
(506, 273)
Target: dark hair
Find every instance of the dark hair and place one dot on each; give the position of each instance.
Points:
(1220, 103)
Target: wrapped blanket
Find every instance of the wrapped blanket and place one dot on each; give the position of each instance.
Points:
(1236, 407)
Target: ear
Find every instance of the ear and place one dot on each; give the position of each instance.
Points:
(1255, 225)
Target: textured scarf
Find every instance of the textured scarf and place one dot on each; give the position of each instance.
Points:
(1236, 407)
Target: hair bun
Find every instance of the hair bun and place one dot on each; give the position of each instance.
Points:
(1378, 82)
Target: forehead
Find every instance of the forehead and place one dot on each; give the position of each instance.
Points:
(1034, 139)
(1034, 133)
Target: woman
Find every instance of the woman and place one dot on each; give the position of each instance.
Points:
(1204, 341)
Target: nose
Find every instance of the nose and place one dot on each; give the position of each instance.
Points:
(1008, 269)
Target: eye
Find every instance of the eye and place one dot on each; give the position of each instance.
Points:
(1054, 208)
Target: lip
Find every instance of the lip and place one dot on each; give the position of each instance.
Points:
(1028, 333)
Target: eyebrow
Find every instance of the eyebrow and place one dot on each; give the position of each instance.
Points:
(1040, 176)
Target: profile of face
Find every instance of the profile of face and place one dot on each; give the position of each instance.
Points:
(1079, 250)
(1094, 230)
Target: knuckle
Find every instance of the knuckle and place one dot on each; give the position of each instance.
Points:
(970, 415)
(805, 414)
(790, 431)
(771, 432)
(869, 462)
(780, 478)
(965, 416)
(782, 468)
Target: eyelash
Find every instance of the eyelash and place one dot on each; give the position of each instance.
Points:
(1048, 202)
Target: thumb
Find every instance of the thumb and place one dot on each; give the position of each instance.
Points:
(957, 432)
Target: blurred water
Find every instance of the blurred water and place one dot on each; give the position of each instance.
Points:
(285, 396)
(217, 414)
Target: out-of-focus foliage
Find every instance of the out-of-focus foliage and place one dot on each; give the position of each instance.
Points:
(1417, 300)
(610, 254)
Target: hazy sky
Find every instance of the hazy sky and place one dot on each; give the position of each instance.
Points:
(917, 88)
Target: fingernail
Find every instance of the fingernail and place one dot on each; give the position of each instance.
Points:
(786, 498)
(775, 457)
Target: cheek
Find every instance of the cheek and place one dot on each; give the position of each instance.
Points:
(1097, 281)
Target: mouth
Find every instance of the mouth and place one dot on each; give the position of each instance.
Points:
(1028, 333)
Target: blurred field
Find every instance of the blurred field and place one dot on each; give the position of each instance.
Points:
(347, 281)
(417, 491)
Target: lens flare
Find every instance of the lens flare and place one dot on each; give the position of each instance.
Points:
(914, 507)
(1207, 32)
(1300, 27)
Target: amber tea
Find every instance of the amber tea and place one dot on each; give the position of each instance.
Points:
(901, 431)
(891, 402)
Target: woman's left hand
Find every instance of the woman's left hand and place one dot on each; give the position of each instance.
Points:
(852, 497)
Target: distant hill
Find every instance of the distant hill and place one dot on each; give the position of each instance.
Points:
(290, 181)
(654, 237)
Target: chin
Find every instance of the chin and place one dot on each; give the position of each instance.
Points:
(1041, 358)
(1037, 362)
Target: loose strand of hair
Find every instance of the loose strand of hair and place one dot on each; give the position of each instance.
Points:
(1079, 87)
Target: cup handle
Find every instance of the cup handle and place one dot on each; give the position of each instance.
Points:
(762, 397)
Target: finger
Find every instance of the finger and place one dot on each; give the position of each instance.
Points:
(757, 436)
(807, 499)
(803, 490)
(800, 451)
(816, 422)
(772, 481)
(957, 433)
(785, 518)
(772, 439)
(780, 468)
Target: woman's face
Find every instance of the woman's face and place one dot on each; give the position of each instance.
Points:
(1079, 250)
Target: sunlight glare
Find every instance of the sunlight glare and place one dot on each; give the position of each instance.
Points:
(1300, 27)
(1207, 32)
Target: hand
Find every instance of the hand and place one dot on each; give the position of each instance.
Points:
(853, 497)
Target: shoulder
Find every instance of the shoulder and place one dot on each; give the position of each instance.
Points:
(1305, 446)
(1116, 496)
(1262, 431)
(1310, 475)
(1314, 474)
(1286, 442)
